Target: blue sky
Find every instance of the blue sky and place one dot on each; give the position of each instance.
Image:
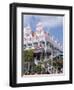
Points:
(52, 24)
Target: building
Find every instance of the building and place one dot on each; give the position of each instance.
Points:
(42, 43)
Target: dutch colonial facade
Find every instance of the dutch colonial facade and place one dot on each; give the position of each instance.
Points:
(41, 42)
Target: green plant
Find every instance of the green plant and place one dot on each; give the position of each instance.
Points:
(28, 57)
(58, 62)
(38, 69)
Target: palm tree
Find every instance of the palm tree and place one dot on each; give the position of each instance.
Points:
(28, 57)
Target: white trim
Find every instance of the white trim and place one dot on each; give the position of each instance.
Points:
(40, 78)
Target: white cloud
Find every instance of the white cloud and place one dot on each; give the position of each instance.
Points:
(52, 21)
(48, 21)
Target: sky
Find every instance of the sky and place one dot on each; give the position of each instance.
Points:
(52, 24)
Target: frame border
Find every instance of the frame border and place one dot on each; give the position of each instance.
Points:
(13, 44)
(22, 27)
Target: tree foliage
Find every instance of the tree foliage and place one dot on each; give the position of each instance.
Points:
(28, 55)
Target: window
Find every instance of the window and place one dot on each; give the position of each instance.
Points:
(48, 44)
(24, 46)
(42, 43)
(35, 44)
(29, 45)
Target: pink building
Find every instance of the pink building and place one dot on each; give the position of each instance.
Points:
(41, 42)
